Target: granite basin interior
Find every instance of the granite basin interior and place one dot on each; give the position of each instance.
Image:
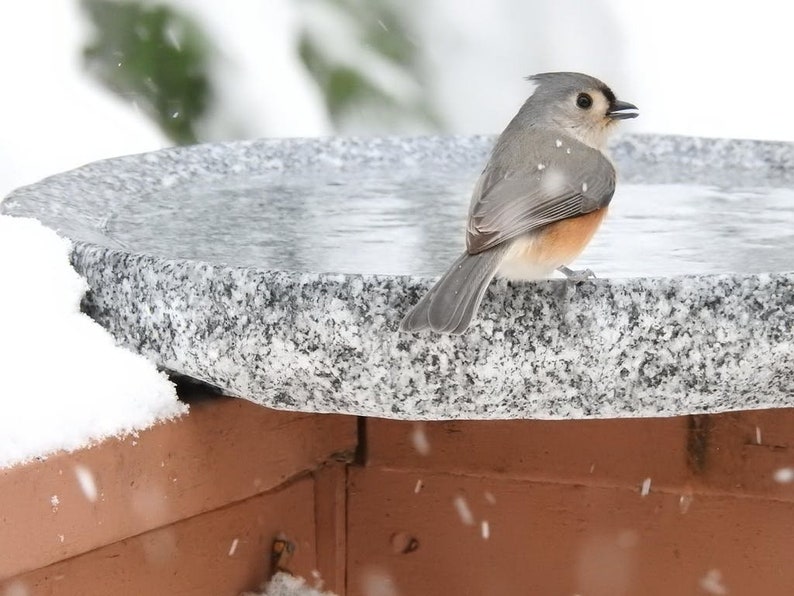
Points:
(411, 222)
(398, 206)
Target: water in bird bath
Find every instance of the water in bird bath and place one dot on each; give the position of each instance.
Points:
(373, 222)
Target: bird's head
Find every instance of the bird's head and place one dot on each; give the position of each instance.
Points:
(581, 105)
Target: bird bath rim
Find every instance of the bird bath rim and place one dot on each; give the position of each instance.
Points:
(329, 342)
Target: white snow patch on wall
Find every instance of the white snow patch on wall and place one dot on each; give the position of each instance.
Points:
(711, 583)
(419, 439)
(464, 511)
(784, 475)
(85, 478)
(65, 382)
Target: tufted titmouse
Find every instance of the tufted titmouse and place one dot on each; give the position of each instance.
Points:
(539, 200)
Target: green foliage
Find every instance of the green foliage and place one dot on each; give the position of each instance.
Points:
(380, 28)
(153, 55)
(383, 29)
(342, 86)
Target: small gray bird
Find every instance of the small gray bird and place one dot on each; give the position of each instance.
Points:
(539, 200)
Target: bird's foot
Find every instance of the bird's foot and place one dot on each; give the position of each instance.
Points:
(576, 276)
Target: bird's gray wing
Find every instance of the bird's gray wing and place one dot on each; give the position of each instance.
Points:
(553, 179)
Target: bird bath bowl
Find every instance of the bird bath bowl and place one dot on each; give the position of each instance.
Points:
(278, 271)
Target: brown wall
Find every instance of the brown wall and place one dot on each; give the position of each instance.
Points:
(171, 502)
(509, 507)
(557, 507)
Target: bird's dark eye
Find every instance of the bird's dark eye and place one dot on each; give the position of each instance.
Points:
(584, 101)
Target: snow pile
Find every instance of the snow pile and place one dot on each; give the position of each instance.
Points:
(284, 584)
(65, 384)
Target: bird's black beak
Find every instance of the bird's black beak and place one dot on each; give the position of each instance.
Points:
(622, 110)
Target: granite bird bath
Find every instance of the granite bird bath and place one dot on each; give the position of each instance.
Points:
(278, 271)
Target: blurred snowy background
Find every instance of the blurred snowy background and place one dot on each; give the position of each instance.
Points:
(87, 79)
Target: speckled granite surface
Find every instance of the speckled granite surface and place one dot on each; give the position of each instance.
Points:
(327, 342)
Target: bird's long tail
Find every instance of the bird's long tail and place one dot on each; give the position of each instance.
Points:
(451, 304)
